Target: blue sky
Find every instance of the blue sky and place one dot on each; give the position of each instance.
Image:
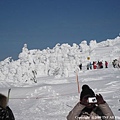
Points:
(44, 23)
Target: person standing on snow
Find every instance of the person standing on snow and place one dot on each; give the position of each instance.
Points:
(91, 111)
(90, 65)
(106, 64)
(5, 111)
(94, 65)
(80, 66)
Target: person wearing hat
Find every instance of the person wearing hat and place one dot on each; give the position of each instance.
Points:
(96, 109)
(5, 111)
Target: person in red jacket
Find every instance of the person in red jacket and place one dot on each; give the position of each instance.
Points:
(98, 109)
(94, 65)
(106, 64)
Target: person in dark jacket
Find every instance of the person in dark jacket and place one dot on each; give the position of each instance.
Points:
(97, 110)
(80, 66)
(5, 111)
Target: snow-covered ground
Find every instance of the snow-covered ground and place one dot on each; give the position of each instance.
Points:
(52, 93)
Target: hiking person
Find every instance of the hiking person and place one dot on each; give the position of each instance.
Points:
(96, 109)
(90, 65)
(100, 65)
(106, 64)
(5, 111)
(94, 65)
(80, 66)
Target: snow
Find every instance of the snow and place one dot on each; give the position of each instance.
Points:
(43, 82)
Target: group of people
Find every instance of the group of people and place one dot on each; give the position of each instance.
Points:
(95, 65)
(96, 109)
(100, 64)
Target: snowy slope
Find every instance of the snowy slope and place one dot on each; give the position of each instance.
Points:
(53, 96)
(52, 99)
